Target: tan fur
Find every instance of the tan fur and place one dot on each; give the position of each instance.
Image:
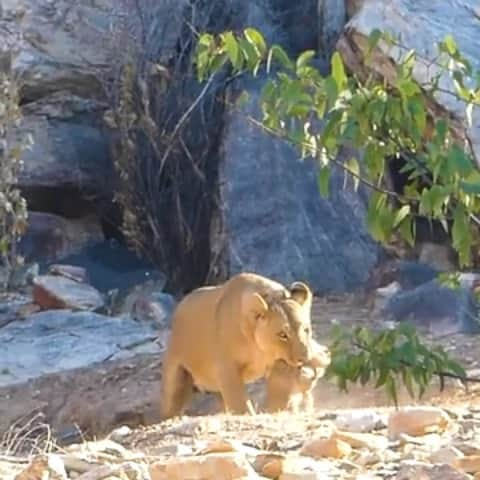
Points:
(290, 388)
(226, 336)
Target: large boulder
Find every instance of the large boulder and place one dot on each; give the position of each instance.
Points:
(420, 24)
(277, 222)
(66, 52)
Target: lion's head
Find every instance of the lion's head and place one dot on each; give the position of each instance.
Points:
(281, 327)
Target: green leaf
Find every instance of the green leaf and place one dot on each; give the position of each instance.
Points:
(401, 214)
(324, 181)
(373, 39)
(461, 235)
(338, 71)
(278, 53)
(450, 44)
(460, 161)
(255, 38)
(408, 87)
(304, 59)
(407, 379)
(233, 51)
(391, 389)
(469, 187)
(354, 169)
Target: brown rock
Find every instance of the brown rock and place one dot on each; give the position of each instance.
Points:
(270, 465)
(53, 292)
(44, 467)
(363, 440)
(468, 464)
(218, 466)
(417, 421)
(331, 447)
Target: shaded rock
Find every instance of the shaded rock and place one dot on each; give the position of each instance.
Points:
(65, 53)
(416, 421)
(158, 308)
(440, 257)
(73, 405)
(50, 237)
(419, 24)
(57, 340)
(55, 292)
(322, 241)
(332, 16)
(437, 308)
(408, 274)
(111, 266)
(146, 302)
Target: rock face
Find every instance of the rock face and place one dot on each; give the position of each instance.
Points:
(56, 340)
(421, 24)
(277, 223)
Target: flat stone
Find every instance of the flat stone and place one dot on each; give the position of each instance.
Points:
(57, 340)
(54, 292)
(78, 274)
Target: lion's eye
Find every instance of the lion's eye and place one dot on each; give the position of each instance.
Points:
(307, 331)
(283, 336)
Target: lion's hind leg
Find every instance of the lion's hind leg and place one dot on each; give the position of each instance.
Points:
(177, 389)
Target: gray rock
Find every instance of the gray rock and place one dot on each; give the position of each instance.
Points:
(408, 274)
(57, 340)
(277, 223)
(421, 23)
(111, 266)
(66, 52)
(438, 308)
(332, 16)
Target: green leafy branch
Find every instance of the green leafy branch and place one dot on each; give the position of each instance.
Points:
(386, 356)
(378, 119)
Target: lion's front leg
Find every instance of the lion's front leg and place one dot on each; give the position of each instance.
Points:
(232, 389)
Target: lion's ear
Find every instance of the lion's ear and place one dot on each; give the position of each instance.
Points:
(301, 293)
(254, 304)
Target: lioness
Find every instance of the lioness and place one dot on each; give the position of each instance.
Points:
(290, 388)
(226, 336)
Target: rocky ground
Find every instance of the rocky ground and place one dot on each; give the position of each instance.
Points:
(422, 442)
(356, 435)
